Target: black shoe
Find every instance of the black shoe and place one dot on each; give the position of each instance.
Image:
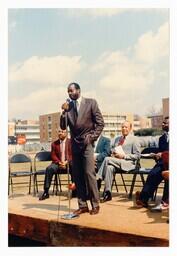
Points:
(99, 184)
(44, 196)
(95, 210)
(81, 210)
(106, 197)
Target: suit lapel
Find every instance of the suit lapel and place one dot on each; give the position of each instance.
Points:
(58, 149)
(82, 109)
(71, 114)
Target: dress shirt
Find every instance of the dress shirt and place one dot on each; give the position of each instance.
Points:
(62, 148)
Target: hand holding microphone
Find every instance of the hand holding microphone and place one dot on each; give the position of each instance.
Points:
(65, 106)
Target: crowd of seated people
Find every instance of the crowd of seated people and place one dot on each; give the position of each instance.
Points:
(122, 155)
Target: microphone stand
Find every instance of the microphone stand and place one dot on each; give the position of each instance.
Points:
(68, 216)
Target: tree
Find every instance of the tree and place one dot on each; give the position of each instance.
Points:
(148, 132)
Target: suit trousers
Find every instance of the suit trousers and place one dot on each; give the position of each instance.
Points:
(85, 177)
(50, 171)
(153, 180)
(109, 166)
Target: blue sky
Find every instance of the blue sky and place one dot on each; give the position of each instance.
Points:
(118, 56)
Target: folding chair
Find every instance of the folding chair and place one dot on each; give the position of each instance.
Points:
(41, 157)
(141, 171)
(23, 168)
(122, 173)
(145, 154)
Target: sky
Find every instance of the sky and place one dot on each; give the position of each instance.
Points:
(120, 57)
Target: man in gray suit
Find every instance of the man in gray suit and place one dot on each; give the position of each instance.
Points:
(125, 153)
(86, 124)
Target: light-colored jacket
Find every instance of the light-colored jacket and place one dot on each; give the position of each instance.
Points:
(131, 147)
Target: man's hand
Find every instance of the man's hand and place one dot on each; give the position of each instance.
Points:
(158, 156)
(65, 106)
(62, 165)
(118, 155)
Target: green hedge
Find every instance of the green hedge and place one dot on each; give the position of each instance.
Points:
(148, 132)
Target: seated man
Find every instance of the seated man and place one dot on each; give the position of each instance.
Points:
(101, 150)
(61, 156)
(165, 174)
(155, 176)
(125, 153)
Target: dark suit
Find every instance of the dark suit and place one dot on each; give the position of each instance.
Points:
(84, 131)
(53, 168)
(102, 150)
(155, 176)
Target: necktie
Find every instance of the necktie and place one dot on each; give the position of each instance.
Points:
(167, 137)
(75, 109)
(62, 146)
(121, 141)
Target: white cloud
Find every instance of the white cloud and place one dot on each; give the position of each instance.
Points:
(120, 72)
(109, 12)
(39, 102)
(135, 67)
(129, 80)
(125, 81)
(95, 12)
(55, 70)
(153, 46)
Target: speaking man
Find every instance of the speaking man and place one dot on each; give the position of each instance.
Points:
(85, 121)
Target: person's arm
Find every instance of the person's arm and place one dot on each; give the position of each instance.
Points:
(63, 120)
(54, 156)
(163, 144)
(135, 154)
(98, 121)
(106, 151)
(64, 117)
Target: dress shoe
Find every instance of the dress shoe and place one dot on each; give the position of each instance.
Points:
(95, 210)
(106, 197)
(160, 207)
(81, 210)
(44, 196)
(139, 202)
(99, 184)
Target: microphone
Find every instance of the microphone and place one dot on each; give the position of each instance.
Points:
(66, 106)
(68, 100)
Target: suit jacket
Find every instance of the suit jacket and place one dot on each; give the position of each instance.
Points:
(102, 149)
(163, 143)
(56, 151)
(88, 126)
(131, 147)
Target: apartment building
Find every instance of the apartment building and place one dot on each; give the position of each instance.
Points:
(28, 129)
(165, 106)
(49, 124)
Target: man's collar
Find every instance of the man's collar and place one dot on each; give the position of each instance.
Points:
(79, 100)
(61, 141)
